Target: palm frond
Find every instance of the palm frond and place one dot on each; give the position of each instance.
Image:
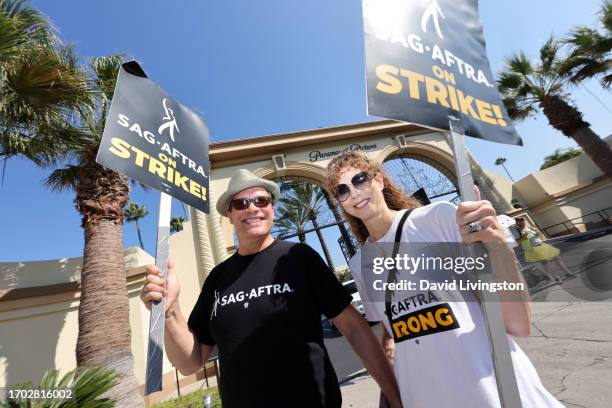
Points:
(590, 50)
(518, 111)
(519, 64)
(176, 224)
(64, 179)
(299, 204)
(606, 81)
(89, 386)
(509, 82)
(605, 15)
(290, 220)
(20, 25)
(549, 55)
(15, 143)
(42, 84)
(517, 90)
(135, 212)
(587, 38)
(106, 70)
(51, 144)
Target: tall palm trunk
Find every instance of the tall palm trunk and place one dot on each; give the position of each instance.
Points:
(328, 257)
(567, 119)
(302, 238)
(104, 326)
(139, 236)
(343, 231)
(507, 172)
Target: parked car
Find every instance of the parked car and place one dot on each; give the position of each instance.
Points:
(352, 289)
(356, 303)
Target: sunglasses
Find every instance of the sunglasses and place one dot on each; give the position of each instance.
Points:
(244, 203)
(360, 181)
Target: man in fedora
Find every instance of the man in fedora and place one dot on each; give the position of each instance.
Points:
(262, 309)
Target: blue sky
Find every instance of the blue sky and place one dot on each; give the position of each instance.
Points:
(256, 68)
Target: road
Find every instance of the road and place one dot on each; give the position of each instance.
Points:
(343, 357)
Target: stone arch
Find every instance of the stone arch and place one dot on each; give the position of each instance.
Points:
(445, 161)
(420, 149)
(305, 170)
(290, 155)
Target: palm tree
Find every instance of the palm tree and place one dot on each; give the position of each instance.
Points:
(292, 220)
(348, 240)
(134, 213)
(590, 48)
(176, 224)
(45, 96)
(500, 162)
(307, 200)
(527, 87)
(101, 195)
(53, 113)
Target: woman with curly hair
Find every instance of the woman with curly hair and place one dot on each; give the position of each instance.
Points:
(450, 366)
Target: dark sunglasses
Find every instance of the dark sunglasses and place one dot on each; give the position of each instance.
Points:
(244, 203)
(361, 181)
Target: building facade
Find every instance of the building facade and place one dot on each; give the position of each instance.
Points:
(39, 300)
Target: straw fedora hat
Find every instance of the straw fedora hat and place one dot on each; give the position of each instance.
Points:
(243, 179)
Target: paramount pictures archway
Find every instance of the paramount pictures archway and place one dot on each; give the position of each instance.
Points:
(411, 154)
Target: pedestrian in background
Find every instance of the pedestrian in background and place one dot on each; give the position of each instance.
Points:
(537, 251)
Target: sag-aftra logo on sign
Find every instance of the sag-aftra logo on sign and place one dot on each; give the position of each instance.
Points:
(156, 140)
(426, 61)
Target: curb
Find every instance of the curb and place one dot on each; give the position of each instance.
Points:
(354, 375)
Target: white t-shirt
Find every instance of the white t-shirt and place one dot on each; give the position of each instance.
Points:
(451, 367)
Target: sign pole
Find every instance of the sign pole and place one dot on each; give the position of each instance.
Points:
(155, 352)
(502, 361)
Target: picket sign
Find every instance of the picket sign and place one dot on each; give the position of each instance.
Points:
(154, 139)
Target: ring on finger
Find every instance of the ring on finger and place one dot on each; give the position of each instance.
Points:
(474, 227)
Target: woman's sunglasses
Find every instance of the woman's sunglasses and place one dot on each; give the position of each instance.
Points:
(244, 203)
(361, 181)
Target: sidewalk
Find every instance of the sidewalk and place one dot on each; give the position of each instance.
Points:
(360, 391)
(570, 346)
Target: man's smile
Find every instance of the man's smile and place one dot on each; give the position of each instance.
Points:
(253, 220)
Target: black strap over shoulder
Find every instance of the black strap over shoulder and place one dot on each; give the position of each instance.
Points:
(392, 278)
(400, 229)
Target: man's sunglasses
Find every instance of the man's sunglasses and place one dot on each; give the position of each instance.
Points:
(361, 181)
(244, 203)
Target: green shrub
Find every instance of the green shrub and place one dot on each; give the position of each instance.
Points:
(193, 400)
(559, 156)
(86, 389)
(343, 273)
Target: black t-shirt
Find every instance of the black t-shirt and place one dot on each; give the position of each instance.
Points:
(263, 311)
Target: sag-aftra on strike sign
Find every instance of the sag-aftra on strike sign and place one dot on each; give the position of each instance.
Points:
(154, 139)
(426, 60)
